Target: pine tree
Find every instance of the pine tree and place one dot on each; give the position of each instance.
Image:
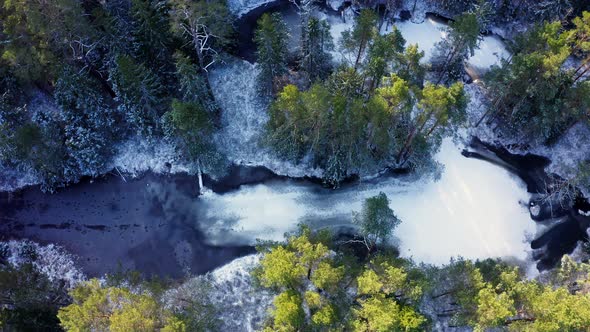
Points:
(463, 36)
(382, 52)
(151, 37)
(357, 40)
(139, 93)
(376, 221)
(271, 49)
(316, 45)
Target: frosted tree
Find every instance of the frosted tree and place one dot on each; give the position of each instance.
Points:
(463, 36)
(206, 24)
(316, 43)
(88, 122)
(271, 50)
(376, 221)
(356, 41)
(139, 92)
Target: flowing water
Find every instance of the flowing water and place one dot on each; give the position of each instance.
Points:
(158, 225)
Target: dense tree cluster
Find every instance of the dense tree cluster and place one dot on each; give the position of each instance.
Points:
(80, 76)
(319, 286)
(362, 117)
(322, 290)
(535, 94)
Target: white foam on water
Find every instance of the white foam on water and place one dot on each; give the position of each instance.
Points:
(474, 210)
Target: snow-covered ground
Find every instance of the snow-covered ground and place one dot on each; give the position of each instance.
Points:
(475, 210)
(241, 306)
(244, 307)
(425, 34)
(136, 156)
(244, 117)
(12, 179)
(50, 260)
(242, 7)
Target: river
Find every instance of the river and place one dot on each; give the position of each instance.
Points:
(158, 225)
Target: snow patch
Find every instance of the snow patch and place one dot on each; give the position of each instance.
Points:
(335, 4)
(244, 307)
(243, 7)
(241, 307)
(138, 155)
(426, 34)
(51, 260)
(244, 117)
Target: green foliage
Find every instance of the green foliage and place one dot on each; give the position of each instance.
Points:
(382, 52)
(151, 36)
(355, 42)
(192, 126)
(409, 67)
(39, 33)
(288, 313)
(192, 85)
(493, 295)
(111, 308)
(316, 289)
(271, 49)
(316, 43)
(441, 109)
(335, 125)
(533, 95)
(140, 94)
(463, 36)
(376, 220)
(29, 300)
(305, 275)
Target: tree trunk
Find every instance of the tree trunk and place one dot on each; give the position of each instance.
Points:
(433, 127)
(358, 55)
(448, 60)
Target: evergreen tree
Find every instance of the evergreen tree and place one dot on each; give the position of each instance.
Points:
(532, 95)
(409, 66)
(140, 94)
(316, 45)
(463, 36)
(41, 34)
(356, 41)
(192, 85)
(382, 52)
(440, 108)
(271, 49)
(151, 36)
(376, 221)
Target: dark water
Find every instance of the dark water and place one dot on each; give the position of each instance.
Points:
(246, 26)
(152, 224)
(146, 224)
